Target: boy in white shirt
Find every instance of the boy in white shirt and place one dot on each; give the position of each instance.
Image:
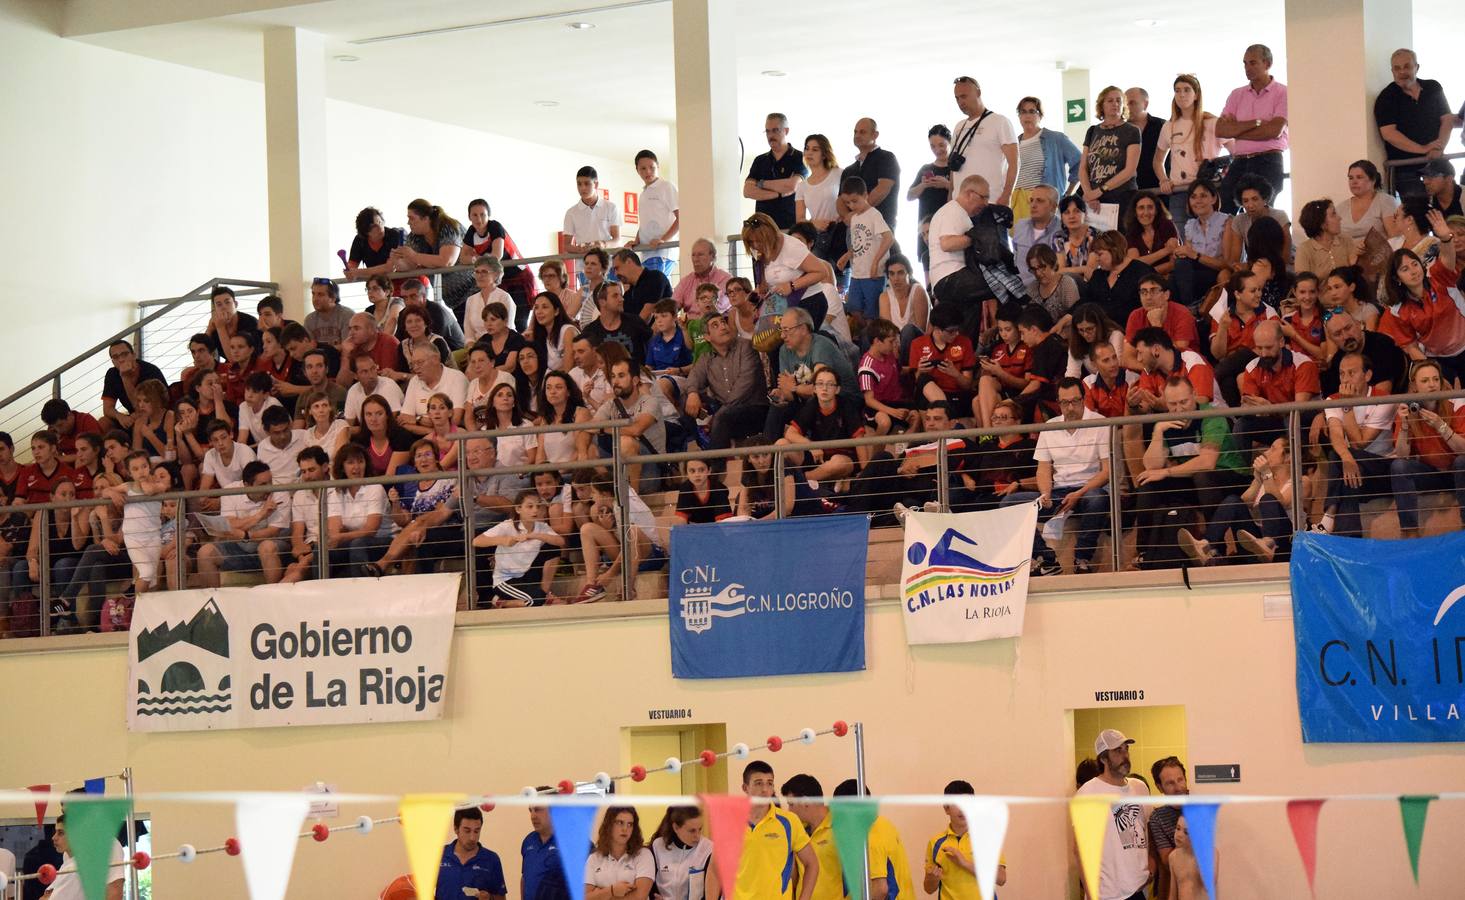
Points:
(67, 885)
(593, 222)
(257, 399)
(869, 243)
(659, 212)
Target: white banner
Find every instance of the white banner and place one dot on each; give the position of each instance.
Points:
(331, 652)
(965, 575)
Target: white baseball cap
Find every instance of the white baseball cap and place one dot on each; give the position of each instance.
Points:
(1109, 739)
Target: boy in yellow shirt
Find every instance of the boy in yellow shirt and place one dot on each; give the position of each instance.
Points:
(950, 869)
(819, 823)
(775, 840)
(890, 870)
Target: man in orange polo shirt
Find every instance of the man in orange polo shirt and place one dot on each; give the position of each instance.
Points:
(1276, 375)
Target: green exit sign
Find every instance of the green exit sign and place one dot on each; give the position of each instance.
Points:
(1076, 110)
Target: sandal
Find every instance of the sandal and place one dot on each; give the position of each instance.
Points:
(372, 569)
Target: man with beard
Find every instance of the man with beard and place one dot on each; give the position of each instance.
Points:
(1169, 774)
(1125, 869)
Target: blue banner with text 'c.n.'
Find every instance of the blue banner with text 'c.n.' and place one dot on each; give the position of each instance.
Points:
(1380, 638)
(783, 597)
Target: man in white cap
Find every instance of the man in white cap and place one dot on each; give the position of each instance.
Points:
(1125, 869)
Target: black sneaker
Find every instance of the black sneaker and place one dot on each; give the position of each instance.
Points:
(1082, 567)
(1049, 567)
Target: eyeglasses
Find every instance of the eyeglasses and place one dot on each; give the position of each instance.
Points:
(1152, 292)
(789, 329)
(323, 281)
(752, 222)
(1329, 313)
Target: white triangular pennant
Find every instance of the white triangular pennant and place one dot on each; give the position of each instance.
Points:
(986, 822)
(269, 832)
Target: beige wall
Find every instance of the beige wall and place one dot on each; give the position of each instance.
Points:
(536, 700)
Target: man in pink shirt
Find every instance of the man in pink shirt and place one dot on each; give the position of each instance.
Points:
(704, 271)
(1255, 116)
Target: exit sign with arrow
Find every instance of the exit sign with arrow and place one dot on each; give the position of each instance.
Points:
(1076, 110)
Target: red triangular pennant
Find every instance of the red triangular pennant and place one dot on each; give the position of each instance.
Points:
(1302, 815)
(728, 817)
(40, 804)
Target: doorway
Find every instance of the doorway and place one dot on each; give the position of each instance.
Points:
(652, 745)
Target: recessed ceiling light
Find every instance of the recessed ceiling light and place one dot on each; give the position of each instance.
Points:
(346, 57)
(546, 103)
(774, 73)
(1147, 23)
(580, 26)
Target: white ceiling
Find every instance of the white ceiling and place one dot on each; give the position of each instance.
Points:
(614, 83)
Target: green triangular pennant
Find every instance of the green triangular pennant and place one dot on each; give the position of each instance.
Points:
(852, 821)
(91, 831)
(1414, 809)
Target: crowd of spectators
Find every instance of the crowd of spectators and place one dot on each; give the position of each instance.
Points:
(1144, 272)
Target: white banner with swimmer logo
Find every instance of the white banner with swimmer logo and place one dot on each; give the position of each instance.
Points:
(335, 652)
(965, 575)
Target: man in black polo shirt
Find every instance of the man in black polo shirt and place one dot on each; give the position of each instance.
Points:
(614, 324)
(1413, 117)
(879, 169)
(643, 287)
(1439, 184)
(1386, 360)
(774, 175)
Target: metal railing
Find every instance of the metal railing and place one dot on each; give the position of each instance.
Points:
(79, 379)
(1393, 165)
(1293, 416)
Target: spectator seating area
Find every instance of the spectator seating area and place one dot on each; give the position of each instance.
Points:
(1122, 338)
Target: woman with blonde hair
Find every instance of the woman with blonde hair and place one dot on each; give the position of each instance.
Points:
(1110, 159)
(1189, 140)
(784, 268)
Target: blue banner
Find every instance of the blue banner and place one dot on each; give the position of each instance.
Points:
(1380, 631)
(783, 597)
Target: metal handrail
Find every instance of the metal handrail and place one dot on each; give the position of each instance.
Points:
(618, 463)
(1277, 409)
(130, 330)
(1391, 164)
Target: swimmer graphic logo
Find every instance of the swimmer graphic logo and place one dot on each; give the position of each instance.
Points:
(965, 576)
(768, 598)
(322, 653)
(1380, 633)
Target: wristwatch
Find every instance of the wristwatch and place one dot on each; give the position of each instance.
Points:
(1258, 123)
(760, 184)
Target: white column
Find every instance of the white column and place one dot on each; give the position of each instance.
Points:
(1337, 62)
(1075, 90)
(708, 180)
(295, 142)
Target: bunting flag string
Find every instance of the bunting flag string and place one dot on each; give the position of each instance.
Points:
(91, 830)
(42, 803)
(1090, 817)
(1302, 816)
(572, 836)
(267, 840)
(1413, 809)
(851, 825)
(426, 818)
(986, 822)
(1200, 821)
(728, 817)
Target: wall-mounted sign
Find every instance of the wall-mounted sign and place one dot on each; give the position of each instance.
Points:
(631, 209)
(1222, 774)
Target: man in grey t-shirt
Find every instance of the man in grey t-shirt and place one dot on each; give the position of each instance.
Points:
(630, 400)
